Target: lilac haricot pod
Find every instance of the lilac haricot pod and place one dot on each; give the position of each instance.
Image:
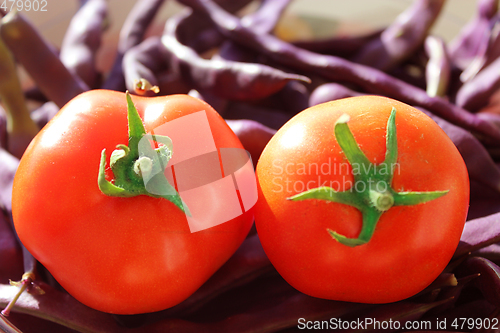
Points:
(11, 260)
(43, 114)
(330, 91)
(493, 118)
(8, 167)
(491, 252)
(479, 233)
(476, 93)
(340, 46)
(452, 293)
(200, 34)
(132, 32)
(269, 117)
(484, 201)
(438, 68)
(83, 39)
(294, 97)
(144, 61)
(134, 29)
(464, 48)
(3, 128)
(263, 21)
(223, 78)
(219, 104)
(489, 51)
(480, 165)
(402, 37)
(334, 68)
(30, 49)
(20, 127)
(253, 135)
(58, 306)
(444, 280)
(488, 281)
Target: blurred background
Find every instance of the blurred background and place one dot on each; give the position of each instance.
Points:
(319, 18)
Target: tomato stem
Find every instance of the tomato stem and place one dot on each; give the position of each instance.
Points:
(138, 169)
(26, 280)
(142, 86)
(376, 194)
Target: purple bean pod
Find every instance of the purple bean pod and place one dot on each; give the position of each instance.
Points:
(340, 46)
(223, 78)
(438, 68)
(144, 61)
(197, 32)
(3, 128)
(219, 104)
(10, 254)
(205, 40)
(479, 233)
(483, 201)
(402, 38)
(263, 21)
(60, 308)
(20, 128)
(488, 281)
(294, 97)
(132, 32)
(489, 51)
(452, 293)
(474, 35)
(444, 280)
(493, 48)
(253, 135)
(83, 39)
(38, 58)
(476, 93)
(491, 252)
(330, 91)
(334, 68)
(8, 167)
(492, 117)
(272, 118)
(478, 161)
(43, 114)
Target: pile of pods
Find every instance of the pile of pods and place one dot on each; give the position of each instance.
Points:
(258, 81)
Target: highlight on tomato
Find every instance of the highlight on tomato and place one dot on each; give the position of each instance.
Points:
(132, 203)
(362, 199)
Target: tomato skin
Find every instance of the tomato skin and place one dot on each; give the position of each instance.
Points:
(411, 245)
(118, 255)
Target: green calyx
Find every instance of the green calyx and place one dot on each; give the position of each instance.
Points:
(375, 195)
(138, 169)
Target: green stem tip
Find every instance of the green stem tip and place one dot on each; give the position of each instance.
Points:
(377, 196)
(138, 169)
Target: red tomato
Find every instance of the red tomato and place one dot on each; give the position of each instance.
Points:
(410, 245)
(114, 254)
